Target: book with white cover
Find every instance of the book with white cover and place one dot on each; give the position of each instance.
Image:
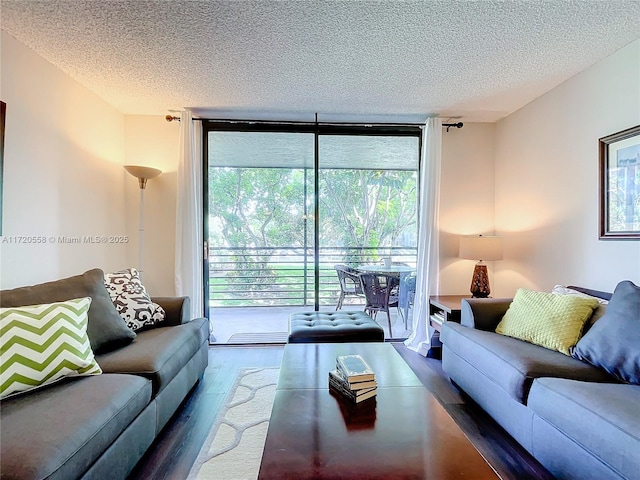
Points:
(354, 368)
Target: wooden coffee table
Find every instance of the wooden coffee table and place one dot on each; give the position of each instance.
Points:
(404, 433)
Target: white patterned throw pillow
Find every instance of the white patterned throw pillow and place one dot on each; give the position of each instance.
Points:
(597, 313)
(562, 290)
(131, 299)
(40, 344)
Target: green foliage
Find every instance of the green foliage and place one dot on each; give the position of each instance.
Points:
(624, 199)
(264, 208)
(367, 208)
(255, 207)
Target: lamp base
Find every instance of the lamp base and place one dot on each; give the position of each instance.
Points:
(480, 281)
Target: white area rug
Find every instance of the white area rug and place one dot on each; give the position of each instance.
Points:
(233, 449)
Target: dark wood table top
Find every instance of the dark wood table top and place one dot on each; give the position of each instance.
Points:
(404, 433)
(307, 365)
(448, 302)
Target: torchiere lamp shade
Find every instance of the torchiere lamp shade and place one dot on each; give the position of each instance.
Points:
(142, 173)
(480, 248)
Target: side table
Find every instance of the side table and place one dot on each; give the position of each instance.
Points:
(442, 308)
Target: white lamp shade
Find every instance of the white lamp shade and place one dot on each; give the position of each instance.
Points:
(479, 247)
(145, 173)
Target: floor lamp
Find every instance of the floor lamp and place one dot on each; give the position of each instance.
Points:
(480, 248)
(142, 174)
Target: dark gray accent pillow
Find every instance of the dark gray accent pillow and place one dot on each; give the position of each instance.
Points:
(106, 329)
(613, 343)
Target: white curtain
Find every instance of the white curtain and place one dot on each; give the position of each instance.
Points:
(428, 233)
(189, 242)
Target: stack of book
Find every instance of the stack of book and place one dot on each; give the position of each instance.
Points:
(438, 317)
(353, 378)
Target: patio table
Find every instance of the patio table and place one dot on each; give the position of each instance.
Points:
(400, 271)
(397, 270)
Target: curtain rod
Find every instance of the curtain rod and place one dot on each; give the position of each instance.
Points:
(171, 118)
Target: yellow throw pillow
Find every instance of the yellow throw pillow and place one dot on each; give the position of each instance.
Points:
(551, 321)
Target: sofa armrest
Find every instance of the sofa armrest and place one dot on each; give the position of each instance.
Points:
(176, 308)
(483, 313)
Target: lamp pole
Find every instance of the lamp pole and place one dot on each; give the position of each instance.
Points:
(141, 231)
(142, 174)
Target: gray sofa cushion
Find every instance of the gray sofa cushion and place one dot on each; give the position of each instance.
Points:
(613, 343)
(159, 353)
(60, 430)
(511, 363)
(106, 329)
(602, 418)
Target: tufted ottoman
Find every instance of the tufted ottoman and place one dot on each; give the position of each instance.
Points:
(334, 327)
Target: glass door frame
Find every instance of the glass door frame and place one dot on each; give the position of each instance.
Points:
(318, 129)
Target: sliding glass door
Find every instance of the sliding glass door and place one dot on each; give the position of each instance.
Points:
(260, 195)
(368, 197)
(285, 203)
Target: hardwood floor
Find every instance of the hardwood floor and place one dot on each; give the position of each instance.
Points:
(177, 447)
(504, 454)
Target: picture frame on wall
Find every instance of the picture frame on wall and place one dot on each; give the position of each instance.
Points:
(620, 185)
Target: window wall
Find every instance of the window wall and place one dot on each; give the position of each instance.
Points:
(285, 203)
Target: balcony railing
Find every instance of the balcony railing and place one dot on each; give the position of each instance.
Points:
(284, 276)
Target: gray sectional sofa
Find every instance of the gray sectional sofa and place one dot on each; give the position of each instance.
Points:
(574, 417)
(98, 427)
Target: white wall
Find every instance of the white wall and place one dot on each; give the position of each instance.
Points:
(546, 181)
(152, 141)
(63, 176)
(466, 200)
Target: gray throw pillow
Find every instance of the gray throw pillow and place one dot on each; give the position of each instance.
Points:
(106, 329)
(613, 343)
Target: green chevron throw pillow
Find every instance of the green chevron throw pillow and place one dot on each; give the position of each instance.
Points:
(40, 344)
(551, 321)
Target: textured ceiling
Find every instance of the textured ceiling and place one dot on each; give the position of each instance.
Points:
(479, 60)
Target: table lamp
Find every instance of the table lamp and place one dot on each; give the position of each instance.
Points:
(479, 247)
(142, 174)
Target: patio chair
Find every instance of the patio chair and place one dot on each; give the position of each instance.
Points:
(349, 283)
(407, 295)
(381, 293)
